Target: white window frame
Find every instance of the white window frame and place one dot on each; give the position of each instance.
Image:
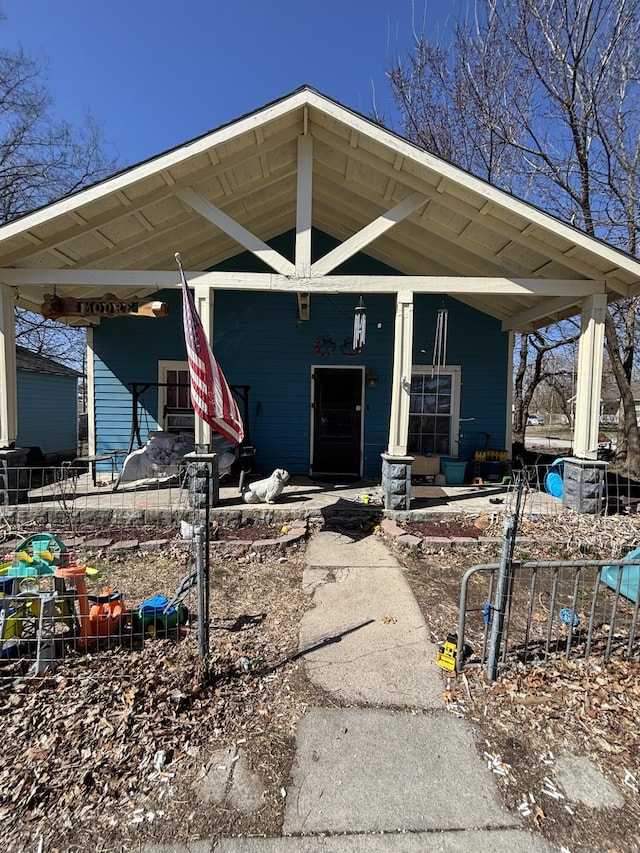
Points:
(164, 366)
(455, 371)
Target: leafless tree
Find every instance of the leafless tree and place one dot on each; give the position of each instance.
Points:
(41, 159)
(64, 344)
(542, 98)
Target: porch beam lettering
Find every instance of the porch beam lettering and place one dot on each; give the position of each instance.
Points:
(238, 232)
(368, 234)
(101, 306)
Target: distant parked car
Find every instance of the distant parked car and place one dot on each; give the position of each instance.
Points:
(535, 420)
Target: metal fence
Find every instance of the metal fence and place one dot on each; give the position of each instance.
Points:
(78, 498)
(617, 493)
(548, 611)
(85, 568)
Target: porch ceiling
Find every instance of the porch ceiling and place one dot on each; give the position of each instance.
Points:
(137, 220)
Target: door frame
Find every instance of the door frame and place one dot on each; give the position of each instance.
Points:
(315, 367)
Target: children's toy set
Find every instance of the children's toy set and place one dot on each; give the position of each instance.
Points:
(45, 605)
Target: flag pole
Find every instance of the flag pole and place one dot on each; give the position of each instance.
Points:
(202, 429)
(211, 395)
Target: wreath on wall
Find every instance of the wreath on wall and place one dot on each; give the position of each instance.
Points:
(325, 346)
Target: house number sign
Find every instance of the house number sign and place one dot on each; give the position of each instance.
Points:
(101, 306)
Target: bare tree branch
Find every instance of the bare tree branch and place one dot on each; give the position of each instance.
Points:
(542, 98)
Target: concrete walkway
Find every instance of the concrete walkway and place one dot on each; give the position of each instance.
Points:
(385, 768)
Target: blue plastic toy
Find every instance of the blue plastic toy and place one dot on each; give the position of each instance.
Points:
(630, 582)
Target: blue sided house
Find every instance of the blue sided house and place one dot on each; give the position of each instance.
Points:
(299, 225)
(47, 405)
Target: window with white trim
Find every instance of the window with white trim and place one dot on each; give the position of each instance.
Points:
(175, 412)
(434, 411)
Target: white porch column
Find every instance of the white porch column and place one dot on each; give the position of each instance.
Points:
(508, 435)
(203, 298)
(402, 362)
(589, 379)
(91, 394)
(8, 380)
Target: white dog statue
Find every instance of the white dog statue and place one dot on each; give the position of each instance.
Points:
(266, 491)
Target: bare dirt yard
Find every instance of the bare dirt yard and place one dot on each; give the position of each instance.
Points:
(534, 714)
(119, 746)
(111, 749)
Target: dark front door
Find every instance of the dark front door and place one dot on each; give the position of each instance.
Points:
(337, 421)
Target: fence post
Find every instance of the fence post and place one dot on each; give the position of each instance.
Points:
(202, 481)
(202, 567)
(499, 603)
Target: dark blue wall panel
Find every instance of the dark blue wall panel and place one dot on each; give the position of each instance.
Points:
(259, 341)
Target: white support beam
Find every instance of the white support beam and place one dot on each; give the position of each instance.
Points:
(304, 219)
(203, 298)
(368, 234)
(402, 362)
(8, 378)
(238, 232)
(549, 308)
(91, 395)
(304, 206)
(589, 378)
(508, 435)
(285, 282)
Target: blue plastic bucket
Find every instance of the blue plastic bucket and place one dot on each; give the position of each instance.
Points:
(453, 471)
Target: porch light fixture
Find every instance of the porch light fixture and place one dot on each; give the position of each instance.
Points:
(359, 326)
(372, 378)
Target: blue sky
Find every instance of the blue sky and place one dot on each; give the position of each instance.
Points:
(160, 72)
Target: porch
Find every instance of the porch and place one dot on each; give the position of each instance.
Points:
(60, 497)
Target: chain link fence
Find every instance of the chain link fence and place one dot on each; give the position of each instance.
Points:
(86, 569)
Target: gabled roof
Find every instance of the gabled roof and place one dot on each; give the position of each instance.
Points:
(32, 362)
(247, 169)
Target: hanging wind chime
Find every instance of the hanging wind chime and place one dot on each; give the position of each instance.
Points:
(359, 327)
(440, 341)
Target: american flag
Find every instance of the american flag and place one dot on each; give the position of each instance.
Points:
(211, 396)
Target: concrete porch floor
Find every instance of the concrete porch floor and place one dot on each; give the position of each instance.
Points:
(303, 497)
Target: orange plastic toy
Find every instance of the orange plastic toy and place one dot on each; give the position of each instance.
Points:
(107, 614)
(99, 616)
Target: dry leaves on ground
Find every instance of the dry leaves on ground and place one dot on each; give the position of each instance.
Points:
(535, 713)
(103, 753)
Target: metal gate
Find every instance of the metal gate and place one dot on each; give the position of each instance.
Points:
(546, 611)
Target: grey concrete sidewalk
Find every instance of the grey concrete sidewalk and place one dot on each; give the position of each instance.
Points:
(395, 762)
(387, 768)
